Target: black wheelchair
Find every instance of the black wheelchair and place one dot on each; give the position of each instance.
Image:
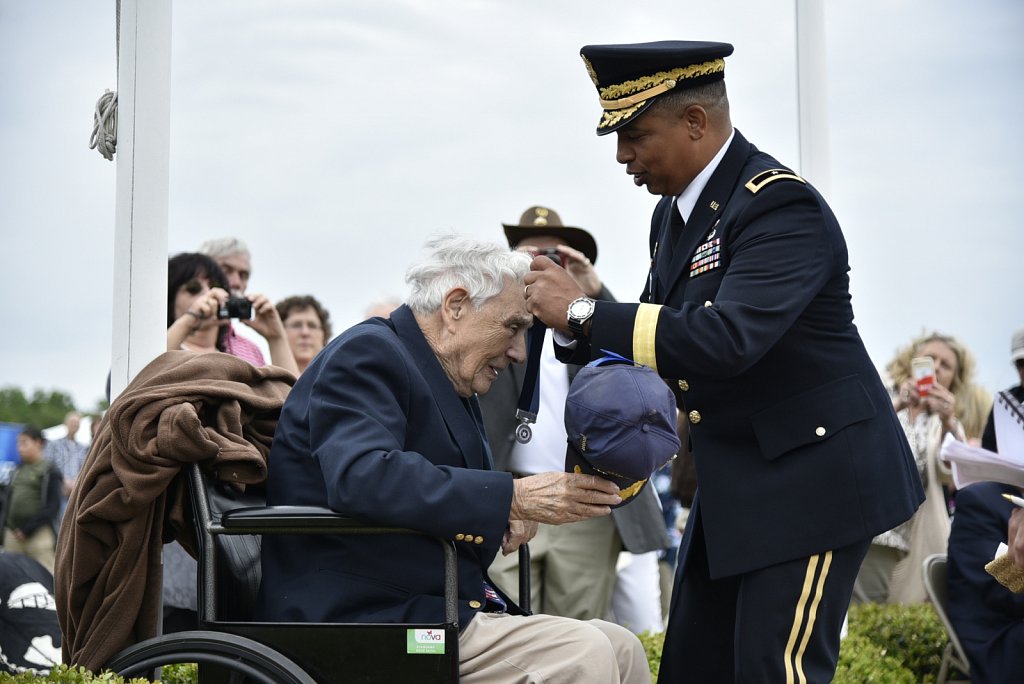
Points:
(230, 648)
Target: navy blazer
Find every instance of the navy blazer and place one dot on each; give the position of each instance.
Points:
(988, 617)
(797, 447)
(374, 429)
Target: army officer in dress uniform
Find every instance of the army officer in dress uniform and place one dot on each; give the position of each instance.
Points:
(746, 312)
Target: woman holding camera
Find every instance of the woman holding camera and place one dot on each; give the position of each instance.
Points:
(199, 310)
(927, 410)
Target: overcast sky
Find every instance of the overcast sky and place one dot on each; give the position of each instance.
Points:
(334, 136)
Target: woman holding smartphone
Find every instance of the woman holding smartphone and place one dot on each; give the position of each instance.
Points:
(931, 381)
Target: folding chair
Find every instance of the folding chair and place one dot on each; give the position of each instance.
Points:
(935, 584)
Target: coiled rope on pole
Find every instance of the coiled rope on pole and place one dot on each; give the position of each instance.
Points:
(104, 123)
(104, 126)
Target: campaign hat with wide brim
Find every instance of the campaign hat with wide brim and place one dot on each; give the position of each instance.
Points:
(544, 221)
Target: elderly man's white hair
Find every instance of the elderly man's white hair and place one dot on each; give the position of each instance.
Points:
(223, 247)
(458, 261)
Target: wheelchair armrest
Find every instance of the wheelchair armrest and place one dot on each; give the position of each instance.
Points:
(299, 519)
(316, 520)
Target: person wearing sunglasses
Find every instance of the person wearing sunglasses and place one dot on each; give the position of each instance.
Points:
(198, 315)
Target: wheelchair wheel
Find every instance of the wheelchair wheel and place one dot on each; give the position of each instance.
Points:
(245, 659)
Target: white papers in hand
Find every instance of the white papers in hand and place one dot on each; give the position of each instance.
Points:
(974, 464)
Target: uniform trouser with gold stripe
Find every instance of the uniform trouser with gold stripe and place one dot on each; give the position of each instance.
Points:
(777, 624)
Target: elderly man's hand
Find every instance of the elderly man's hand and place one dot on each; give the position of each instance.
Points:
(518, 533)
(557, 498)
(549, 291)
(1015, 536)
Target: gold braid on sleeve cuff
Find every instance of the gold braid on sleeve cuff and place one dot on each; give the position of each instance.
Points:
(645, 327)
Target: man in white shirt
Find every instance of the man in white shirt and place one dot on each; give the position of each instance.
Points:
(573, 567)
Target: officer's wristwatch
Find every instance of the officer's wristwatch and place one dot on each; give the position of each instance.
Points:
(580, 311)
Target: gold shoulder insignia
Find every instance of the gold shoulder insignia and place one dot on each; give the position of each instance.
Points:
(770, 176)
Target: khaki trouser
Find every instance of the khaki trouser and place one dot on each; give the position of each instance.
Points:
(497, 648)
(39, 546)
(572, 569)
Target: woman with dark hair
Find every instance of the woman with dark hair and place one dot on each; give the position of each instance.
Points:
(196, 292)
(308, 326)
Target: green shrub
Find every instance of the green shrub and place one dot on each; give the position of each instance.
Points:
(652, 646)
(862, 660)
(913, 634)
(172, 674)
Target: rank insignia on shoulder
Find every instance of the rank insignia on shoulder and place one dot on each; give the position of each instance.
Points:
(770, 176)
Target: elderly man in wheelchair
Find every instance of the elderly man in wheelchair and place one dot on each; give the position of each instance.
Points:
(385, 426)
(379, 476)
(378, 455)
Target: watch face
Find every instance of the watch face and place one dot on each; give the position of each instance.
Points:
(581, 308)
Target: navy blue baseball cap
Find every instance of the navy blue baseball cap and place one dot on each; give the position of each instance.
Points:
(630, 77)
(621, 422)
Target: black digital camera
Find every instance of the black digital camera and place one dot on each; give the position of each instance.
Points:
(554, 255)
(235, 307)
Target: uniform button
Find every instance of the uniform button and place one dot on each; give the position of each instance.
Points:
(683, 385)
(707, 303)
(694, 417)
(460, 537)
(474, 604)
(820, 431)
(468, 537)
(478, 540)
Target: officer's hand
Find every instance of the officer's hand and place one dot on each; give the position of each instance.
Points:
(549, 291)
(517, 533)
(557, 498)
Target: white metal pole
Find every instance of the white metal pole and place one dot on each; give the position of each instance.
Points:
(143, 150)
(812, 94)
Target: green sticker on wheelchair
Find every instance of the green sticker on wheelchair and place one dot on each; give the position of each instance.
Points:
(429, 641)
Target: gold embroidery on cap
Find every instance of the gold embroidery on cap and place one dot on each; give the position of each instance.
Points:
(632, 489)
(642, 96)
(612, 118)
(590, 70)
(614, 92)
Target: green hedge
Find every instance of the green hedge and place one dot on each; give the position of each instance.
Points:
(886, 644)
(172, 674)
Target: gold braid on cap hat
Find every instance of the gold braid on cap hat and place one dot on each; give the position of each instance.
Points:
(622, 100)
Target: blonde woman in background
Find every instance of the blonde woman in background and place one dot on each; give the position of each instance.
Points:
(891, 572)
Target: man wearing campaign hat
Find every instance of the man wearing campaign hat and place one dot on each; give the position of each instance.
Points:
(746, 313)
(572, 567)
